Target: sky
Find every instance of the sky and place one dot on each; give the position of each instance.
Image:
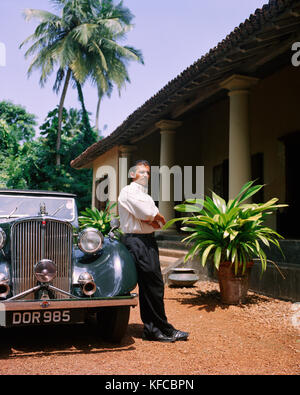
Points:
(172, 35)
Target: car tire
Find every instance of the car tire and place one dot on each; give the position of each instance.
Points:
(113, 322)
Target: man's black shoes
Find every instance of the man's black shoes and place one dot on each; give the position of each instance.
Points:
(176, 335)
(179, 335)
(159, 337)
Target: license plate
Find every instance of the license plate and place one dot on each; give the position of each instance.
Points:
(44, 317)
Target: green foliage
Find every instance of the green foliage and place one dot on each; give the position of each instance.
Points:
(232, 231)
(8, 141)
(16, 130)
(29, 165)
(92, 217)
(21, 124)
(75, 139)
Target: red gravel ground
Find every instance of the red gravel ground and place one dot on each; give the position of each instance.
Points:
(260, 337)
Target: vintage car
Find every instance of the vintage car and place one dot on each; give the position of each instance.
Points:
(50, 273)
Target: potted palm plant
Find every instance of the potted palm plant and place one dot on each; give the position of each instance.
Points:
(232, 234)
(101, 220)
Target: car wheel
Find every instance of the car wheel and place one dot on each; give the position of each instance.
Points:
(113, 322)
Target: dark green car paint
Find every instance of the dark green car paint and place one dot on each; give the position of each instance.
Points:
(113, 269)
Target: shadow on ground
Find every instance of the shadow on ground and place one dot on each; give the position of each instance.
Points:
(211, 300)
(24, 342)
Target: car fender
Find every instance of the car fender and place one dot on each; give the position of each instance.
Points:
(113, 269)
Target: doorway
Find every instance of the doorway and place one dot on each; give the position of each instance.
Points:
(289, 218)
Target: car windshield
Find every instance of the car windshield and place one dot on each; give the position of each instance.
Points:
(17, 206)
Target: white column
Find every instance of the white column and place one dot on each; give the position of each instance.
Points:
(167, 158)
(124, 163)
(239, 131)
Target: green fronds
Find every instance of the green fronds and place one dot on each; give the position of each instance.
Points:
(92, 217)
(41, 15)
(232, 231)
(84, 37)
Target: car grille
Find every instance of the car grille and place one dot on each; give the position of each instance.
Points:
(31, 241)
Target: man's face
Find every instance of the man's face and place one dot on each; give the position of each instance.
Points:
(142, 174)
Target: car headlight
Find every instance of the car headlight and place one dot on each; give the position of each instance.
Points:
(2, 238)
(4, 285)
(90, 240)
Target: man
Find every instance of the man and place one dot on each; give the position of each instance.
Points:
(139, 218)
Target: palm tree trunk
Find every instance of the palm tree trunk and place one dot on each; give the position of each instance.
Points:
(85, 116)
(98, 113)
(60, 112)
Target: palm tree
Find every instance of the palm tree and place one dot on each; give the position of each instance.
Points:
(82, 44)
(108, 24)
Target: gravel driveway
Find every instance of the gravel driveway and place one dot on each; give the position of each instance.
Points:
(260, 337)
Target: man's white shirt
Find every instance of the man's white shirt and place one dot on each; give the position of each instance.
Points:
(136, 205)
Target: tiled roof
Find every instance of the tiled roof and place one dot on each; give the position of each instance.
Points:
(152, 110)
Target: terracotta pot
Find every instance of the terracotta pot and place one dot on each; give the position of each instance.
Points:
(233, 288)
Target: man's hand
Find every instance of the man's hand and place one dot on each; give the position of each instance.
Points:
(159, 217)
(155, 223)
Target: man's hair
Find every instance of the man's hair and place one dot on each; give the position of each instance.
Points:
(141, 162)
(137, 163)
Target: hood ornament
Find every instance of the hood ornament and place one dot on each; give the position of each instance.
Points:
(43, 209)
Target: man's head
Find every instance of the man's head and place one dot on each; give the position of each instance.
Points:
(140, 172)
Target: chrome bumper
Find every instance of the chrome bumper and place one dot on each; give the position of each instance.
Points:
(83, 303)
(53, 311)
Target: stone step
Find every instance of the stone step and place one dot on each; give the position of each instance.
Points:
(169, 252)
(167, 262)
(171, 244)
(171, 241)
(169, 259)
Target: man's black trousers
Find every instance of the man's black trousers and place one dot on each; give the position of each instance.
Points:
(144, 249)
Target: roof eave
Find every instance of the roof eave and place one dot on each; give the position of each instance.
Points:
(258, 32)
